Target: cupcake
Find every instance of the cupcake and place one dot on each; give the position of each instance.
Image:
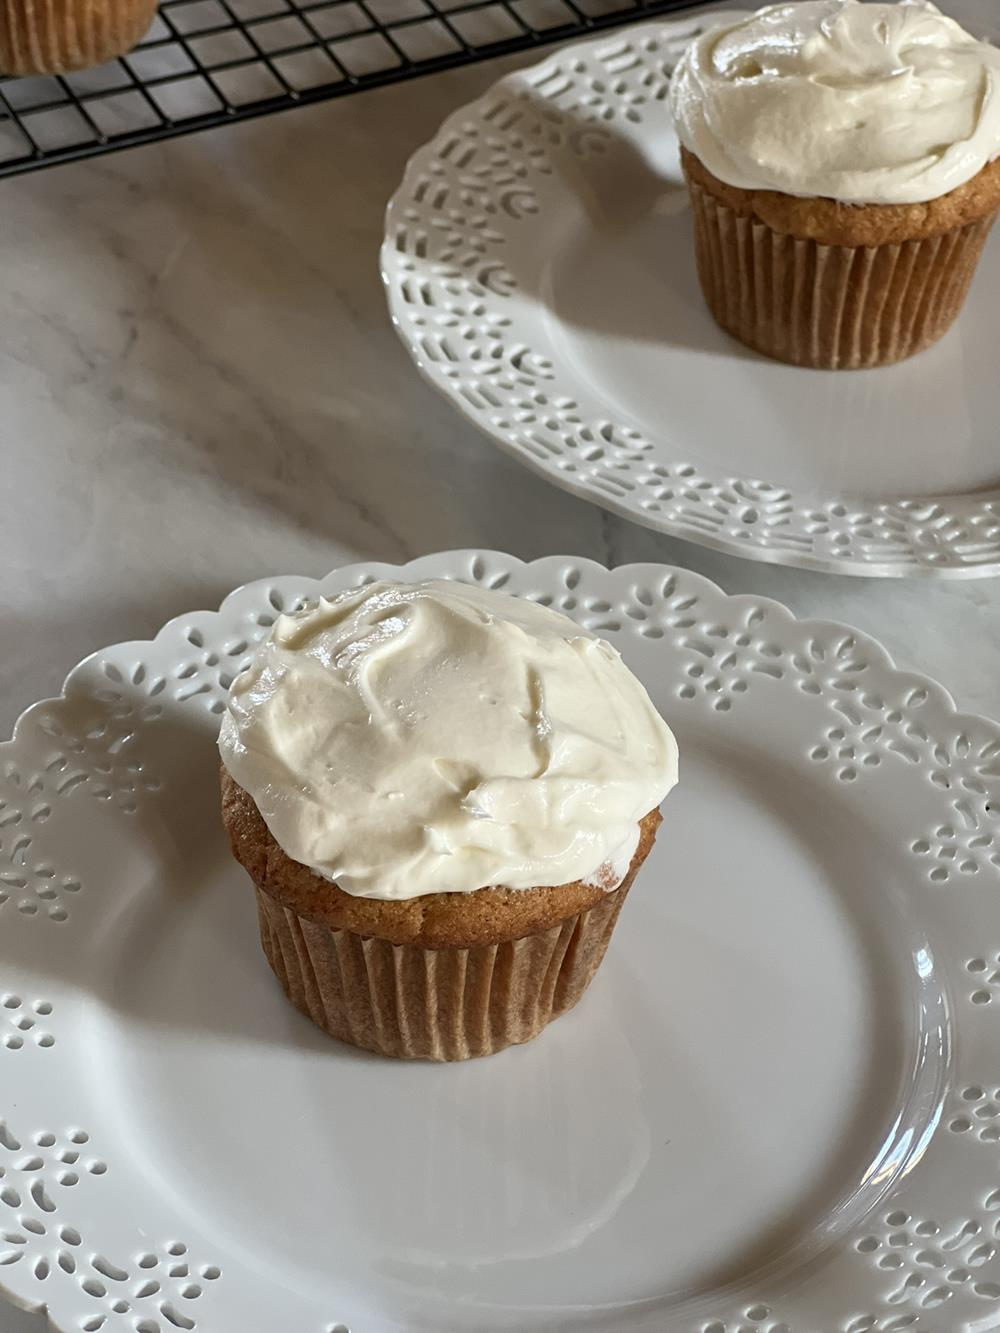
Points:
(842, 162)
(442, 796)
(61, 35)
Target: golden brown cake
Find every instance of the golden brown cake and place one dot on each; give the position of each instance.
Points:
(843, 163)
(837, 286)
(56, 36)
(442, 796)
(445, 976)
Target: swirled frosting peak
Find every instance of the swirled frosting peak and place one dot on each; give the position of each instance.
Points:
(861, 102)
(406, 739)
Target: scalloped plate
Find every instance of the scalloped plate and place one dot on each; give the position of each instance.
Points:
(539, 267)
(776, 1111)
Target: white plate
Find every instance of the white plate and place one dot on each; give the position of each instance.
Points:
(540, 269)
(777, 1109)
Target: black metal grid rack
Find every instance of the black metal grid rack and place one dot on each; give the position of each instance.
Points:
(211, 62)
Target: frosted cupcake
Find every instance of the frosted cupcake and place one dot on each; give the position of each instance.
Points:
(842, 160)
(442, 796)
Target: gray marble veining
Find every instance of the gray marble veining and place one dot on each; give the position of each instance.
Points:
(199, 385)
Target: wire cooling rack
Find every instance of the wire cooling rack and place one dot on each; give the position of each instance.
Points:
(211, 62)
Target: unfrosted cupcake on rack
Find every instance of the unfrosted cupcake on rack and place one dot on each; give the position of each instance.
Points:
(442, 795)
(59, 36)
(842, 160)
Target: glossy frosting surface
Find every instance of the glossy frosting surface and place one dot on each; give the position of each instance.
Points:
(407, 739)
(861, 102)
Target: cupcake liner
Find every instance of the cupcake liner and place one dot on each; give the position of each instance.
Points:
(434, 1004)
(53, 36)
(831, 307)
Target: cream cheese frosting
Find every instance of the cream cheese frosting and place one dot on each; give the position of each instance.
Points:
(406, 739)
(861, 102)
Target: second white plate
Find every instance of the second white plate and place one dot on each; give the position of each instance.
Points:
(540, 269)
(776, 1110)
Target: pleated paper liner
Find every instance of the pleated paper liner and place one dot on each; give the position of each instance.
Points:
(831, 307)
(451, 1003)
(54, 36)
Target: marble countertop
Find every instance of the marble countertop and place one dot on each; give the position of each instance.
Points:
(199, 386)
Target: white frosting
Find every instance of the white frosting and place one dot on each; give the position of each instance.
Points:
(420, 738)
(865, 103)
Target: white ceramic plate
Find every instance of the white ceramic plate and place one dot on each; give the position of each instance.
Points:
(776, 1110)
(540, 269)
